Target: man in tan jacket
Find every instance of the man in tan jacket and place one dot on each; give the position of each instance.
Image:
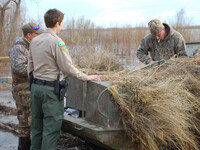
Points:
(48, 57)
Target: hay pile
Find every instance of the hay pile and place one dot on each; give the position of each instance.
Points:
(161, 105)
(93, 60)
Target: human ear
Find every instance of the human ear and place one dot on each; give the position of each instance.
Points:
(28, 35)
(57, 24)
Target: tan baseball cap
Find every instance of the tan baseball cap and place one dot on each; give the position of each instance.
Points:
(155, 26)
(31, 27)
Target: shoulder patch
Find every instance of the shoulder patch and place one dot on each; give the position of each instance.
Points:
(61, 44)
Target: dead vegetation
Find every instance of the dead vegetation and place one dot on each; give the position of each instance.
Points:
(8, 110)
(81, 32)
(99, 60)
(160, 105)
(10, 22)
(11, 127)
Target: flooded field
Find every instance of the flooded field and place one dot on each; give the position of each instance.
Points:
(8, 140)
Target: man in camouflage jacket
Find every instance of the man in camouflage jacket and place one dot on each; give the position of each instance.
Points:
(163, 43)
(18, 54)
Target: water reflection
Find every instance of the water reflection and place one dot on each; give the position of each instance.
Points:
(130, 62)
(126, 56)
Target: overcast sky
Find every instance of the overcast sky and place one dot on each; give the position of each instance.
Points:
(111, 13)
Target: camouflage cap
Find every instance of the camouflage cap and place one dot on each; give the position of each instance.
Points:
(31, 27)
(155, 26)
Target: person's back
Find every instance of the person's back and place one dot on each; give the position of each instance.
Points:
(43, 55)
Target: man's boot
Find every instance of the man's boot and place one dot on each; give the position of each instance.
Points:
(24, 143)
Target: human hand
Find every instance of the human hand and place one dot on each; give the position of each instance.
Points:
(94, 77)
(150, 61)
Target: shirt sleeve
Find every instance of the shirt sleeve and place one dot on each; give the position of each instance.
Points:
(142, 52)
(180, 48)
(19, 60)
(30, 62)
(65, 64)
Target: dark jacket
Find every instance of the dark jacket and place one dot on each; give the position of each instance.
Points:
(173, 44)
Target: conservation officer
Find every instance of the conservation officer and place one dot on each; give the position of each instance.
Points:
(48, 57)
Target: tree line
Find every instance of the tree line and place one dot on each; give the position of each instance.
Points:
(84, 33)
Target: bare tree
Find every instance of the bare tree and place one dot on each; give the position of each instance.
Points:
(13, 25)
(181, 19)
(9, 20)
(182, 24)
(3, 9)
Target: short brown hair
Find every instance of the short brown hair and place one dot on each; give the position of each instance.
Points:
(52, 16)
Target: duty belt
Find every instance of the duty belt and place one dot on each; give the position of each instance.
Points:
(44, 82)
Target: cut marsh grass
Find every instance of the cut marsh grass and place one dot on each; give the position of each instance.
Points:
(160, 106)
(102, 60)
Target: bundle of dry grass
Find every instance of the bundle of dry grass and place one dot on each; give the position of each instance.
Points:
(103, 60)
(161, 105)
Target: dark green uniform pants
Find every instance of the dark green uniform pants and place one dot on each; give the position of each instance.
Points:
(47, 115)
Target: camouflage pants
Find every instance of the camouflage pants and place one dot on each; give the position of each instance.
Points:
(21, 95)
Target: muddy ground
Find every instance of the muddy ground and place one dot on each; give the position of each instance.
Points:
(9, 129)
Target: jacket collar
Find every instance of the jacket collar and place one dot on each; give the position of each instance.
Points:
(48, 30)
(25, 41)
